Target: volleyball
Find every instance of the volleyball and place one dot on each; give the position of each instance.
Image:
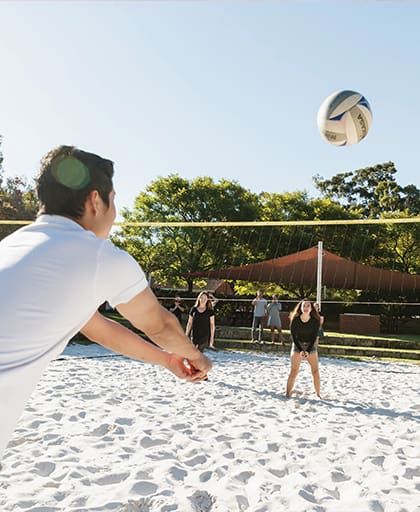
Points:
(344, 118)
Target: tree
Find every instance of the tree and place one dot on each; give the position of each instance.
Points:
(171, 253)
(299, 206)
(371, 191)
(17, 200)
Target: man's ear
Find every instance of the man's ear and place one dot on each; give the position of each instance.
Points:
(92, 202)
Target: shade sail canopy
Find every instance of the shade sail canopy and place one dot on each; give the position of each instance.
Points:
(300, 269)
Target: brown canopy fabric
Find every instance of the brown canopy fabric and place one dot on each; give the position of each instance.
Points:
(300, 269)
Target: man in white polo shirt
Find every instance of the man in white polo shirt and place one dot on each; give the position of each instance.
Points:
(55, 273)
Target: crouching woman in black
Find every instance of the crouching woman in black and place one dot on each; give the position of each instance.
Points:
(304, 327)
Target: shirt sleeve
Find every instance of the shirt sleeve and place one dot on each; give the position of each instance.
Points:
(119, 278)
(294, 333)
(314, 335)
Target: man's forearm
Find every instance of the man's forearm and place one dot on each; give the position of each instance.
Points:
(124, 341)
(160, 326)
(172, 338)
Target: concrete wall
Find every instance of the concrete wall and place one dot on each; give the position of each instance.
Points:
(363, 324)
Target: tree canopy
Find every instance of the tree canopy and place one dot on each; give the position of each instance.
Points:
(17, 199)
(371, 191)
(169, 254)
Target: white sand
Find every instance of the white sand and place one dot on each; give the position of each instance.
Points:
(111, 434)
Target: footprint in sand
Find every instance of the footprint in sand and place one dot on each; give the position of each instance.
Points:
(307, 496)
(45, 509)
(35, 424)
(26, 504)
(195, 461)
(142, 505)
(103, 429)
(243, 503)
(89, 396)
(333, 493)
(124, 421)
(205, 477)
(180, 426)
(221, 471)
(279, 473)
(44, 468)
(229, 455)
(178, 473)
(148, 442)
(273, 447)
(222, 438)
(376, 506)
(144, 488)
(378, 461)
(339, 476)
(384, 441)
(112, 479)
(244, 476)
(202, 501)
(410, 473)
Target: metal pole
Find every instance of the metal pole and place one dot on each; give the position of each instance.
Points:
(319, 275)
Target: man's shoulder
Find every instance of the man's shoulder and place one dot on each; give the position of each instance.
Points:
(108, 249)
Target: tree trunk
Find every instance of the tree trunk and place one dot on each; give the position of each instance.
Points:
(190, 285)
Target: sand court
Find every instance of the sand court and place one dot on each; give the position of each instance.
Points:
(110, 434)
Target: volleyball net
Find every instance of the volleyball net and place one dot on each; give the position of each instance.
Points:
(368, 265)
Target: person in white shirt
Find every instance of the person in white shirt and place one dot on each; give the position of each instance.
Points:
(56, 272)
(260, 311)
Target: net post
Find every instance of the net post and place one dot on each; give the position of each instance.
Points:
(319, 275)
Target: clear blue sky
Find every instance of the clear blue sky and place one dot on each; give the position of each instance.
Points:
(225, 89)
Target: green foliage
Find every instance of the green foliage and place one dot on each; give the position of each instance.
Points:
(371, 191)
(398, 245)
(17, 200)
(171, 253)
(300, 207)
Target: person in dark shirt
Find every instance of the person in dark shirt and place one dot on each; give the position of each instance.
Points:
(177, 309)
(201, 324)
(304, 327)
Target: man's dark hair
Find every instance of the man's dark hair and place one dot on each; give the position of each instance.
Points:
(66, 178)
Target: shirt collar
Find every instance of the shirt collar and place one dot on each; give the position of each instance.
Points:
(59, 220)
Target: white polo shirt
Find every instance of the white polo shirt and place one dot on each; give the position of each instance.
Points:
(53, 277)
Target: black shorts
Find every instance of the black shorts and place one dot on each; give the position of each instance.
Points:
(297, 351)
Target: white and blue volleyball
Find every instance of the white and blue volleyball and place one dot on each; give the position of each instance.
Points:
(344, 118)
